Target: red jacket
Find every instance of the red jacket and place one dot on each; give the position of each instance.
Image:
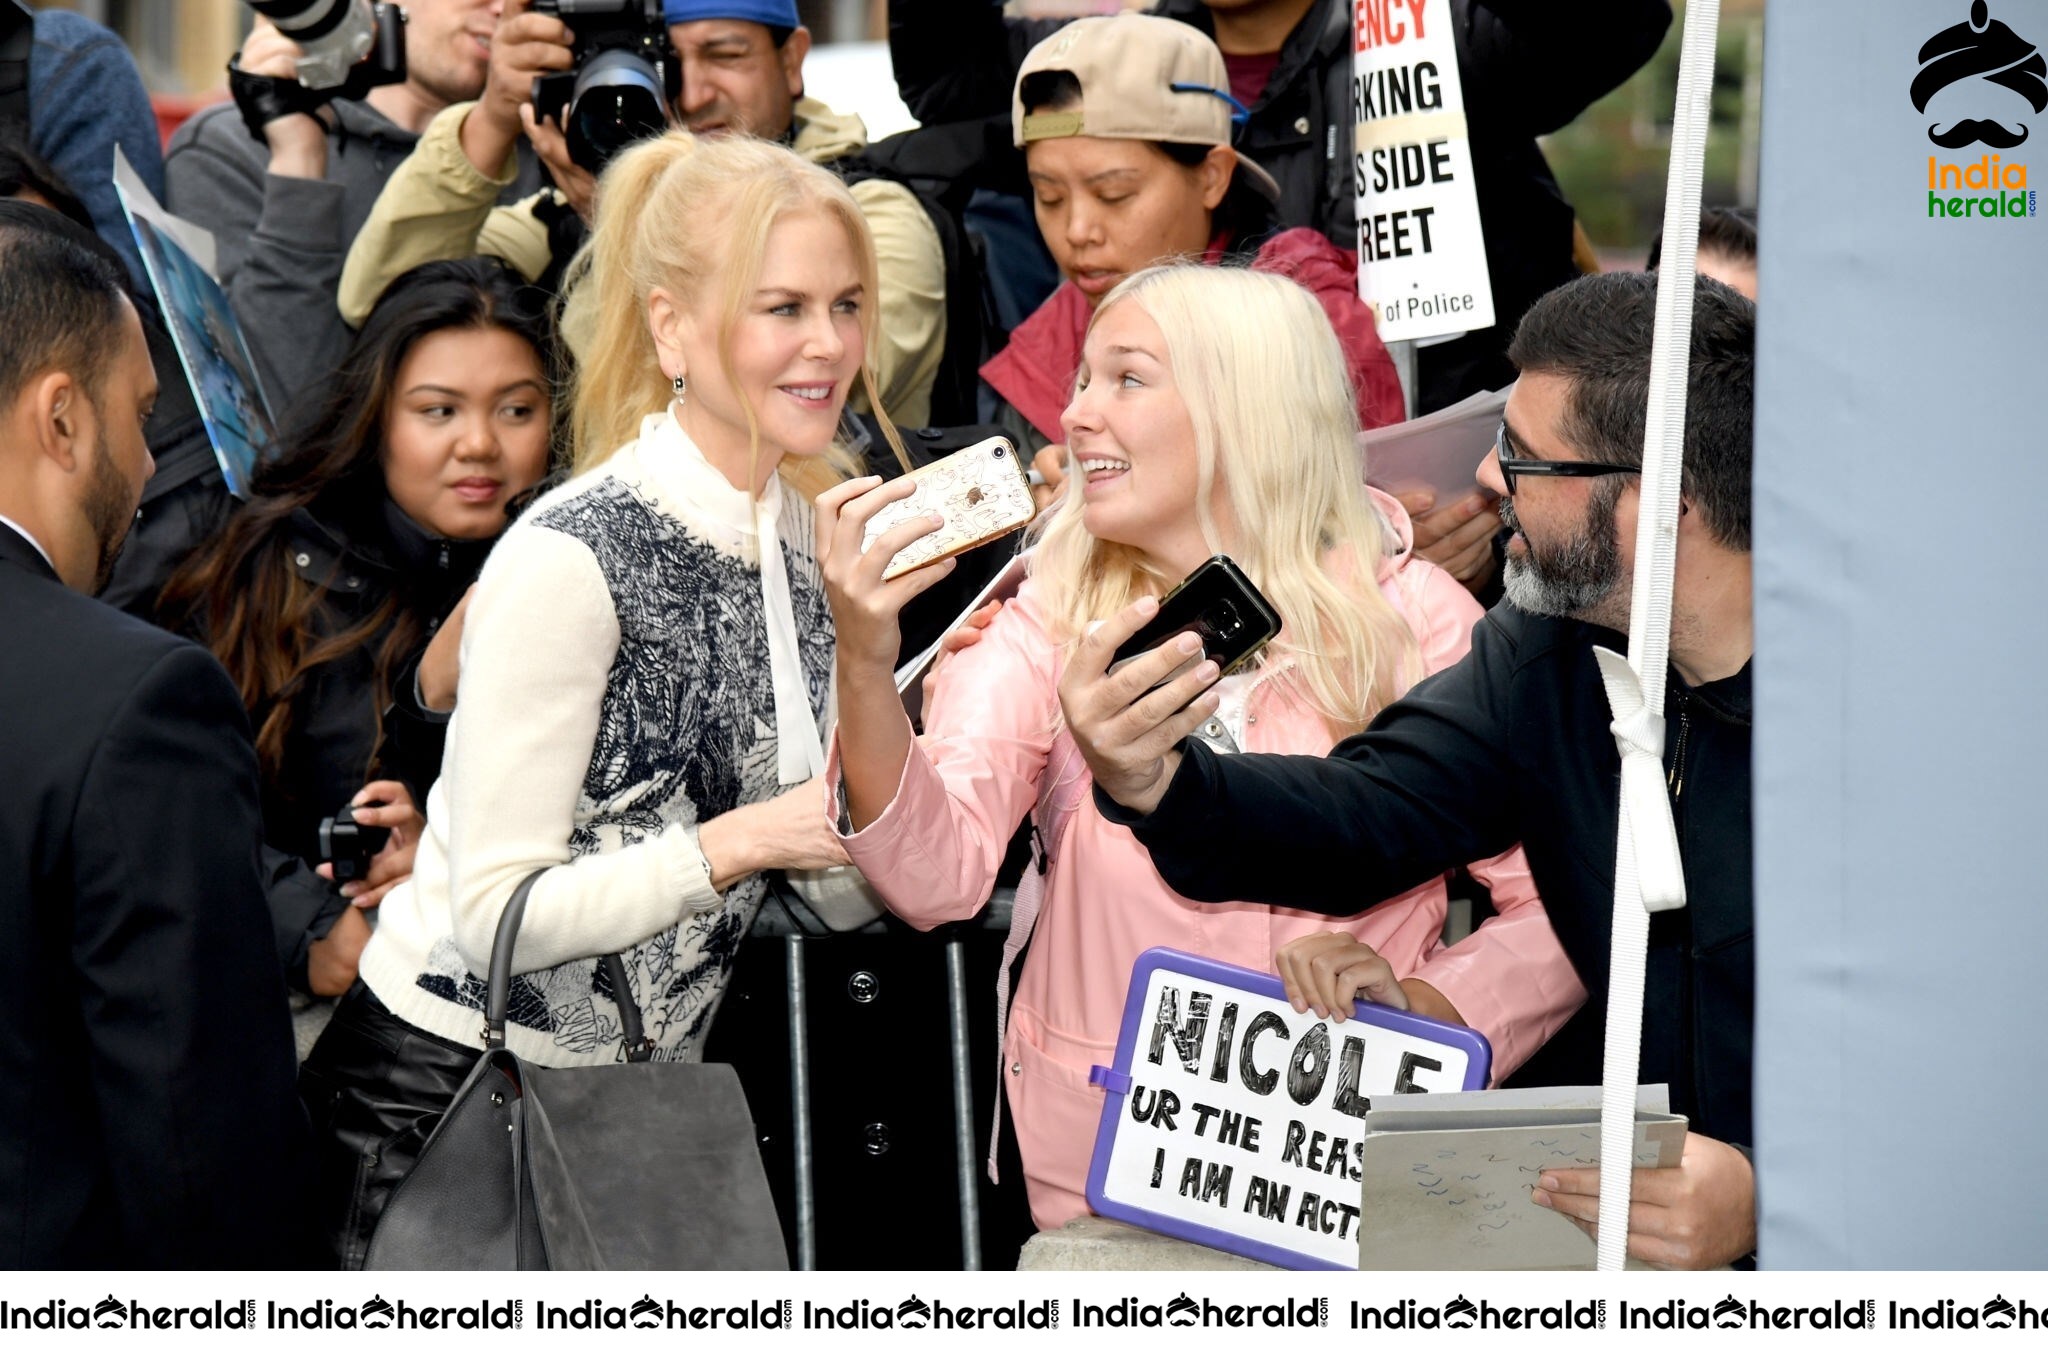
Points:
(1035, 373)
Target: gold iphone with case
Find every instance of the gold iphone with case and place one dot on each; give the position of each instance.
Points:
(981, 492)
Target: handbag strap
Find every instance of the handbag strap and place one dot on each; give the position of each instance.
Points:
(498, 989)
(639, 1047)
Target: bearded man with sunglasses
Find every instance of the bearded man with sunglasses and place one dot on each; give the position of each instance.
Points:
(1513, 745)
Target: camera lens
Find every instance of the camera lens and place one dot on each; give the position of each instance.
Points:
(1227, 620)
(1002, 451)
(618, 101)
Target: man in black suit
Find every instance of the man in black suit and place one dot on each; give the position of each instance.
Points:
(147, 1110)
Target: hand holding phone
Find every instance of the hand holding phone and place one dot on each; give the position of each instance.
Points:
(981, 493)
(1217, 603)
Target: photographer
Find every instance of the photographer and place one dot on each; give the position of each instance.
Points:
(284, 207)
(741, 72)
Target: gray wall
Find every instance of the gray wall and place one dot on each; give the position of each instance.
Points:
(1902, 734)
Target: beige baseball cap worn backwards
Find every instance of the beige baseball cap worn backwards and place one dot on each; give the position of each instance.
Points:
(1142, 78)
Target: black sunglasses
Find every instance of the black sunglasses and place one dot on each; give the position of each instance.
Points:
(1512, 464)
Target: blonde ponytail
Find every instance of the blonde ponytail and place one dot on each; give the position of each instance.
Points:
(617, 378)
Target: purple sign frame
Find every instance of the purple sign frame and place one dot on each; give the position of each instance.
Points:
(1479, 1062)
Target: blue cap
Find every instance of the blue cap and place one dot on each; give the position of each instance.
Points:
(774, 13)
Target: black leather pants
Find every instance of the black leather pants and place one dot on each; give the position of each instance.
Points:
(374, 1087)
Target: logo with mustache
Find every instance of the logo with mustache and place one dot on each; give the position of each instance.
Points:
(1984, 48)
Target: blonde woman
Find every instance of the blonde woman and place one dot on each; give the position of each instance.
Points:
(1234, 435)
(646, 665)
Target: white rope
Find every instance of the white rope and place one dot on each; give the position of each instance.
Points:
(1647, 872)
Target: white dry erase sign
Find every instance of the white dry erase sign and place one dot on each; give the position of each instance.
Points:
(1233, 1122)
(1421, 252)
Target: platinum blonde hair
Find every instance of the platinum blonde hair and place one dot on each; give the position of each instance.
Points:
(691, 214)
(1276, 426)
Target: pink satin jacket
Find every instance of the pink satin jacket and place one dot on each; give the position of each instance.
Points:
(993, 730)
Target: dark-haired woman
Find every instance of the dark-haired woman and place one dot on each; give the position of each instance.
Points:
(1125, 175)
(323, 591)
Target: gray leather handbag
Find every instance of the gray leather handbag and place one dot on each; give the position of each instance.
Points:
(644, 1165)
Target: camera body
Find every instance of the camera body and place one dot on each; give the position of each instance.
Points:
(334, 65)
(348, 845)
(624, 80)
(350, 46)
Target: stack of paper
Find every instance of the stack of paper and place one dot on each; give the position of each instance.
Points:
(1439, 452)
(1447, 1176)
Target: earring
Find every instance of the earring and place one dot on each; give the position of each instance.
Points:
(682, 387)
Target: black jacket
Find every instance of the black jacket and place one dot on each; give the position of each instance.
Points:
(147, 1110)
(334, 745)
(362, 557)
(1528, 67)
(1511, 745)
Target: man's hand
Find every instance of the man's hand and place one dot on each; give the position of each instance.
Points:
(1457, 537)
(1699, 1214)
(1126, 731)
(384, 803)
(298, 141)
(575, 183)
(524, 48)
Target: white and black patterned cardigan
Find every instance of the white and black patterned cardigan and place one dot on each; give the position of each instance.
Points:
(616, 691)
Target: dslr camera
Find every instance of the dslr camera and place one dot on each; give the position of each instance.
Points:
(349, 45)
(348, 48)
(624, 80)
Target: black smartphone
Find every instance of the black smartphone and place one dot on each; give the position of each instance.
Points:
(1218, 603)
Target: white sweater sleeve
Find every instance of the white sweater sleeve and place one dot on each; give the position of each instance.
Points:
(537, 650)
